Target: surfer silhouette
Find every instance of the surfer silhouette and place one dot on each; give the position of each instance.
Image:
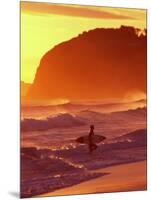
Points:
(92, 146)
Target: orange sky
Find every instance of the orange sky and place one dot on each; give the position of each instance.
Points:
(43, 25)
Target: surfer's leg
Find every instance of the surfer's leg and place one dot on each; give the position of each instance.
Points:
(90, 147)
(94, 146)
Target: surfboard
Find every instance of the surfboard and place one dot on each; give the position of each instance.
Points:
(95, 139)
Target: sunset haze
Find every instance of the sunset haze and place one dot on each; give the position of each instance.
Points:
(44, 25)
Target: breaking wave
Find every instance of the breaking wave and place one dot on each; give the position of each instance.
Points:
(59, 121)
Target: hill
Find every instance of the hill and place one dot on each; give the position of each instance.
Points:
(100, 63)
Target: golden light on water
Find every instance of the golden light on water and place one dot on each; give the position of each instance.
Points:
(58, 101)
(135, 96)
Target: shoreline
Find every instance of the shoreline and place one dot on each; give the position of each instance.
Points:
(120, 178)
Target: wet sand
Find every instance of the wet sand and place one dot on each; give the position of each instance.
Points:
(125, 177)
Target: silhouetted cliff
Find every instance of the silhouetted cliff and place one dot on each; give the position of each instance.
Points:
(100, 63)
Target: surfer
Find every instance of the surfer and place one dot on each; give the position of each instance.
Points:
(92, 146)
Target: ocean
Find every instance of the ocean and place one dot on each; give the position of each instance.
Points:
(50, 157)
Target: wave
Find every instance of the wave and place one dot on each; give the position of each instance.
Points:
(84, 117)
(41, 174)
(131, 114)
(45, 110)
(44, 170)
(129, 147)
(60, 121)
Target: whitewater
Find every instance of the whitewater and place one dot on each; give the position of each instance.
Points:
(50, 157)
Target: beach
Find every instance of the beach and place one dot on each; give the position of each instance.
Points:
(49, 167)
(124, 177)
